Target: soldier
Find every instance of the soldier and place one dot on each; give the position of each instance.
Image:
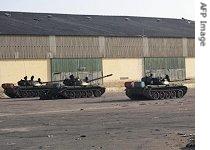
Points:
(78, 81)
(31, 82)
(38, 82)
(149, 80)
(70, 81)
(86, 79)
(167, 78)
(25, 78)
(26, 83)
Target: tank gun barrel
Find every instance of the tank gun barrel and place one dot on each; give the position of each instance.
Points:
(99, 78)
(53, 81)
(87, 81)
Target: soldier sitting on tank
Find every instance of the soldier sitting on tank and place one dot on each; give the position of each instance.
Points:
(157, 81)
(78, 81)
(166, 80)
(38, 82)
(70, 81)
(86, 79)
(31, 82)
(150, 80)
(23, 82)
(147, 79)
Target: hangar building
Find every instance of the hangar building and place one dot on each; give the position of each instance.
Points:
(53, 46)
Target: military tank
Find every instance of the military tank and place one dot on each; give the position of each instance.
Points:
(154, 89)
(56, 90)
(27, 91)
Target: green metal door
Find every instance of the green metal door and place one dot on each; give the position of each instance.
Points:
(174, 67)
(63, 68)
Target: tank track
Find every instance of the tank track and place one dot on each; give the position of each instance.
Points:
(55, 92)
(165, 93)
(66, 93)
(26, 93)
(156, 93)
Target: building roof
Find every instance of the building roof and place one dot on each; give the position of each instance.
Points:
(22, 23)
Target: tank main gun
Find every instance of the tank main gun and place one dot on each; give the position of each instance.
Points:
(88, 81)
(99, 78)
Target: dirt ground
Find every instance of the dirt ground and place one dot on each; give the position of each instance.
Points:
(111, 122)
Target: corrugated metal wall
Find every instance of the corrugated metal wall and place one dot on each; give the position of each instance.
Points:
(174, 67)
(165, 47)
(191, 47)
(92, 47)
(123, 47)
(77, 47)
(24, 46)
(63, 68)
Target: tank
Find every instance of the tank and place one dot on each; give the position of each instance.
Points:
(54, 89)
(75, 89)
(28, 91)
(157, 89)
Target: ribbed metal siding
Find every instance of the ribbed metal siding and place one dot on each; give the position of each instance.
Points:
(174, 67)
(24, 46)
(17, 46)
(77, 47)
(165, 47)
(191, 47)
(63, 68)
(116, 47)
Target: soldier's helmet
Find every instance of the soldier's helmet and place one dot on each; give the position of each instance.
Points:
(25, 78)
(32, 77)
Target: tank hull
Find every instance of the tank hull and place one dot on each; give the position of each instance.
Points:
(53, 91)
(73, 92)
(156, 92)
(26, 91)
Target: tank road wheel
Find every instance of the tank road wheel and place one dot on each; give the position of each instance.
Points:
(29, 94)
(167, 94)
(155, 95)
(77, 94)
(83, 94)
(179, 94)
(43, 95)
(18, 94)
(71, 94)
(173, 94)
(23, 94)
(89, 93)
(68, 94)
(161, 95)
(97, 93)
(36, 93)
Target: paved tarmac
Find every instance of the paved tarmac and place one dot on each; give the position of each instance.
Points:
(111, 122)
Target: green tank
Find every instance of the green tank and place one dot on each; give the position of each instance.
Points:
(55, 90)
(75, 89)
(27, 91)
(154, 91)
